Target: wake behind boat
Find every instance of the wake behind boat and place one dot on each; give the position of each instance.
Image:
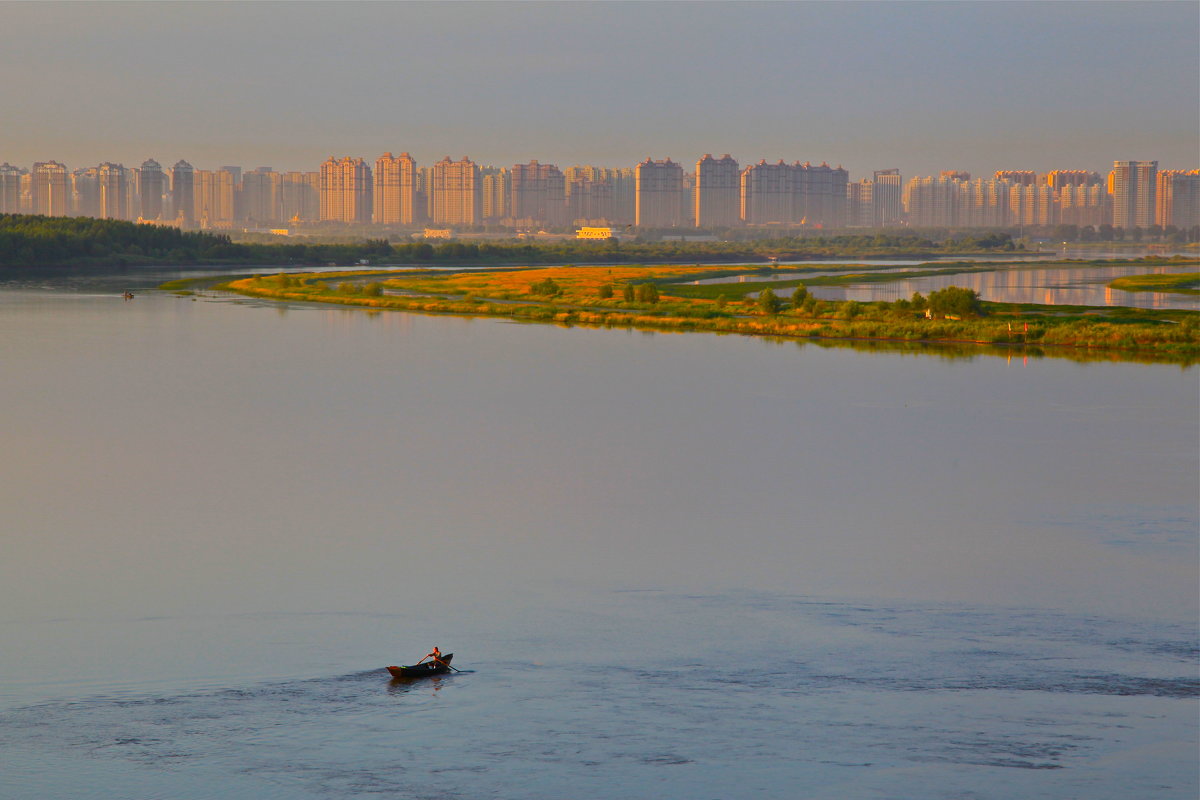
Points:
(422, 670)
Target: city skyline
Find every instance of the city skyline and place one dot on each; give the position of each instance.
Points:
(917, 86)
(401, 193)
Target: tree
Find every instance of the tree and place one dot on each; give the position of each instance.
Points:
(606, 291)
(799, 295)
(646, 293)
(955, 301)
(627, 293)
(767, 301)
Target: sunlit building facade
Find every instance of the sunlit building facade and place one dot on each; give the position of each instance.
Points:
(346, 190)
(10, 188)
(887, 198)
(50, 189)
(538, 194)
(113, 185)
(496, 193)
(213, 198)
(1133, 186)
(395, 190)
(717, 195)
(457, 192)
(658, 194)
(1178, 198)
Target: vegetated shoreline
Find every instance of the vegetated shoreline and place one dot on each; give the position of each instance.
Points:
(1178, 283)
(1079, 333)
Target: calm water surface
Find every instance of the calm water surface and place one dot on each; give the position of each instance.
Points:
(1085, 286)
(669, 566)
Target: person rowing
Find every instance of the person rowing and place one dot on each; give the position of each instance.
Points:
(436, 655)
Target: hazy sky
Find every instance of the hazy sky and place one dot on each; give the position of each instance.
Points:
(922, 86)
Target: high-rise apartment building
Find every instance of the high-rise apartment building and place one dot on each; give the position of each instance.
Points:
(591, 194)
(259, 198)
(395, 190)
(10, 188)
(1133, 186)
(983, 203)
(821, 194)
(538, 194)
(183, 194)
(300, 197)
(1032, 204)
(1084, 204)
(860, 203)
(794, 194)
(50, 189)
(1058, 178)
(932, 202)
(1177, 198)
(151, 184)
(768, 194)
(112, 180)
(717, 195)
(1017, 177)
(658, 194)
(85, 192)
(213, 198)
(346, 190)
(496, 194)
(887, 199)
(457, 192)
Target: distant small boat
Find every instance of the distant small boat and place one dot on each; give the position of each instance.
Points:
(423, 670)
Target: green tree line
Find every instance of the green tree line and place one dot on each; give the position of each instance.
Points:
(80, 241)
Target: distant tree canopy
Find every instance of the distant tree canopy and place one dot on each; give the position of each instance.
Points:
(61, 241)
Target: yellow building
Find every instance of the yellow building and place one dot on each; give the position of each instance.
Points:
(594, 233)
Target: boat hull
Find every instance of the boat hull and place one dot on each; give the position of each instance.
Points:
(422, 670)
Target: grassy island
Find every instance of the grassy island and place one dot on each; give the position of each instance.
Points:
(663, 298)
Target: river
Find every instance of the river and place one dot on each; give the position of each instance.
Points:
(669, 566)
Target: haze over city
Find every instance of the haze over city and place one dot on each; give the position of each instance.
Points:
(923, 87)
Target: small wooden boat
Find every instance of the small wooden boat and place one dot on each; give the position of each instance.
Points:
(423, 670)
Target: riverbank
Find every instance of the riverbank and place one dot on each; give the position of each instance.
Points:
(610, 297)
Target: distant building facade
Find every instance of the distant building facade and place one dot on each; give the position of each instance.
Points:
(346, 190)
(1133, 186)
(50, 189)
(457, 192)
(152, 183)
(183, 201)
(538, 194)
(1177, 198)
(395, 190)
(717, 195)
(659, 194)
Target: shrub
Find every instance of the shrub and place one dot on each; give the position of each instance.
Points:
(546, 288)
